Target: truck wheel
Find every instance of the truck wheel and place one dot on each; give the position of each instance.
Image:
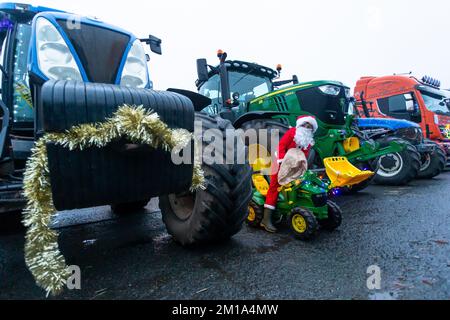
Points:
(219, 212)
(303, 224)
(334, 219)
(125, 208)
(400, 168)
(432, 164)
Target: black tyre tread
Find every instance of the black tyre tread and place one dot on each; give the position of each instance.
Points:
(437, 165)
(410, 172)
(268, 125)
(311, 221)
(334, 220)
(223, 206)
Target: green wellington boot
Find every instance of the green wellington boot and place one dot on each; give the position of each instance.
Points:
(267, 221)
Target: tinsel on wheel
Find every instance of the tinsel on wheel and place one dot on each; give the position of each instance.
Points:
(136, 124)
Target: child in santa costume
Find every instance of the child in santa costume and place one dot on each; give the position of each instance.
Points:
(302, 136)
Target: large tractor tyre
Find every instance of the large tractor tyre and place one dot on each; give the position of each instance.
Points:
(218, 212)
(400, 168)
(126, 208)
(275, 127)
(432, 164)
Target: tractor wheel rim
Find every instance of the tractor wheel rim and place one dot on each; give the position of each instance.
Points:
(395, 169)
(251, 214)
(426, 164)
(183, 205)
(299, 223)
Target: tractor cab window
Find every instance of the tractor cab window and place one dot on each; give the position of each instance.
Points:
(436, 102)
(22, 102)
(211, 89)
(247, 85)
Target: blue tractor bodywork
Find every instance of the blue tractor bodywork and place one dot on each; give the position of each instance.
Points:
(391, 124)
(42, 49)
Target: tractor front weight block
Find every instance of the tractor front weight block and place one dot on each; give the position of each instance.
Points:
(108, 176)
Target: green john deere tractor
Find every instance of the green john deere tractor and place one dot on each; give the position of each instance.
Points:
(60, 70)
(252, 96)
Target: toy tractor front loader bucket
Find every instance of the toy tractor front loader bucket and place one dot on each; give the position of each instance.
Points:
(343, 174)
(122, 172)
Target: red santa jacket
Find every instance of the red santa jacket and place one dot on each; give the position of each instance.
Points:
(287, 143)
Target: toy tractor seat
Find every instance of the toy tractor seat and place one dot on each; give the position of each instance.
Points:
(343, 174)
(261, 184)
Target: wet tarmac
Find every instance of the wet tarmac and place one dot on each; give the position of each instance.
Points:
(405, 231)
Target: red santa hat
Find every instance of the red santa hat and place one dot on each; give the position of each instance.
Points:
(308, 119)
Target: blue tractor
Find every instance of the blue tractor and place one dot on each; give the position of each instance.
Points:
(402, 167)
(59, 70)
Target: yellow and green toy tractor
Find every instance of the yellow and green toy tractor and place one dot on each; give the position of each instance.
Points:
(305, 203)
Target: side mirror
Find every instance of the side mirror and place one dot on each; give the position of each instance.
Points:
(295, 79)
(202, 70)
(154, 43)
(410, 106)
(409, 100)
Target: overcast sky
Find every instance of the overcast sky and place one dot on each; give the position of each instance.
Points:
(322, 39)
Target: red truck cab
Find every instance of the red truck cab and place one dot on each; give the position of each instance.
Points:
(406, 97)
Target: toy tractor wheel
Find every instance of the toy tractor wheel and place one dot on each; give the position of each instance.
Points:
(126, 208)
(432, 164)
(303, 224)
(255, 215)
(219, 212)
(334, 219)
(399, 168)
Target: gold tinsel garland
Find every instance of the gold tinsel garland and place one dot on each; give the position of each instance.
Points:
(137, 124)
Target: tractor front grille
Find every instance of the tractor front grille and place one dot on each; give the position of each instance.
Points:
(100, 50)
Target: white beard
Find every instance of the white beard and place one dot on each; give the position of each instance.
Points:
(304, 138)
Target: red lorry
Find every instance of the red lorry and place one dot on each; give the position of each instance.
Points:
(406, 97)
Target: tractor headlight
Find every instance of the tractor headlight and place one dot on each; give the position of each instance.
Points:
(330, 90)
(135, 73)
(54, 56)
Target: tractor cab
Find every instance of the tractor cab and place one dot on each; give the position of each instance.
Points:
(233, 84)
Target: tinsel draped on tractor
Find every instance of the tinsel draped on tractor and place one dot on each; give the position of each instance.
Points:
(136, 124)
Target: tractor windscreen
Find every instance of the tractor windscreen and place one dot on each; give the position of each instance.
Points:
(328, 103)
(247, 85)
